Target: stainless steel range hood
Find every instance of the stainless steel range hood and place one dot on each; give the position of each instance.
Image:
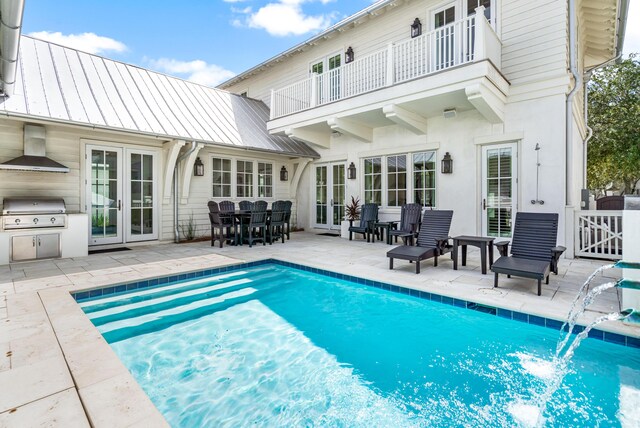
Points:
(35, 155)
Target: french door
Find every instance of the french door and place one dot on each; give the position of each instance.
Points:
(329, 79)
(121, 195)
(499, 189)
(444, 36)
(330, 195)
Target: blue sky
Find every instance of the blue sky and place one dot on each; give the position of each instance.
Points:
(203, 40)
(207, 41)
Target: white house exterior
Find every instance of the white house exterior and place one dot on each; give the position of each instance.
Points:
(487, 88)
(487, 81)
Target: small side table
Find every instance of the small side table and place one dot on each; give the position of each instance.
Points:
(385, 226)
(477, 241)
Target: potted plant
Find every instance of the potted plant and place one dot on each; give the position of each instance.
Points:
(351, 213)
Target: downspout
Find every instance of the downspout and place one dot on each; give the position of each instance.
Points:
(176, 232)
(10, 26)
(573, 66)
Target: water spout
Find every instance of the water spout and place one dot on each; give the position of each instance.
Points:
(626, 265)
(631, 316)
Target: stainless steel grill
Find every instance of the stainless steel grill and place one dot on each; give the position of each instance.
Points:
(28, 213)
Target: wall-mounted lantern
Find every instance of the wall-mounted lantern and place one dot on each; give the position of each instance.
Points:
(351, 172)
(416, 28)
(284, 174)
(198, 168)
(349, 55)
(447, 164)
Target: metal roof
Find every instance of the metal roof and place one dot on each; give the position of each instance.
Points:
(56, 83)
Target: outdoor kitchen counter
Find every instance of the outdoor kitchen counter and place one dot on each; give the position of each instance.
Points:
(74, 237)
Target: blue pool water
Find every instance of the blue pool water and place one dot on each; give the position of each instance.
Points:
(277, 346)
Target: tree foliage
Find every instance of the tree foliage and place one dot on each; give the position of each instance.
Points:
(614, 116)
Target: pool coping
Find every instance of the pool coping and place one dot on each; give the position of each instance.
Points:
(541, 321)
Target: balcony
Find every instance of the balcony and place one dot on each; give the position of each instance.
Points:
(462, 56)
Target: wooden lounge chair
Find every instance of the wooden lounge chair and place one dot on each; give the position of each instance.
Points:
(409, 221)
(433, 240)
(534, 253)
(368, 216)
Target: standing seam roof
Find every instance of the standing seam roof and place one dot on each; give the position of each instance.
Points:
(57, 83)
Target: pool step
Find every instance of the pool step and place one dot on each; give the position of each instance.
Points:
(130, 327)
(159, 302)
(164, 290)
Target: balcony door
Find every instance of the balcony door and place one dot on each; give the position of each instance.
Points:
(444, 39)
(121, 194)
(330, 195)
(499, 187)
(328, 71)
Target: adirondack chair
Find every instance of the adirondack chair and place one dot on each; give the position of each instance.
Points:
(409, 221)
(368, 216)
(287, 217)
(257, 227)
(433, 240)
(222, 223)
(275, 224)
(534, 253)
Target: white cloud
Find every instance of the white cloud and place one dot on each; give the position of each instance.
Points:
(197, 71)
(632, 35)
(87, 42)
(284, 18)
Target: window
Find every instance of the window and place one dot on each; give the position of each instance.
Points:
(396, 180)
(373, 181)
(317, 67)
(424, 178)
(221, 178)
(265, 180)
(405, 178)
(473, 4)
(244, 179)
(335, 61)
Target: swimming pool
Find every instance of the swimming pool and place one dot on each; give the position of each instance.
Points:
(272, 345)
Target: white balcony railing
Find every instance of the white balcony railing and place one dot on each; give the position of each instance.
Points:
(460, 42)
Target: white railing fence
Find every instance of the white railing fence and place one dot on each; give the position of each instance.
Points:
(598, 234)
(460, 42)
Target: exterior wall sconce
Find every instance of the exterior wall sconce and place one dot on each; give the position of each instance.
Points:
(351, 172)
(349, 55)
(447, 164)
(284, 174)
(416, 28)
(198, 168)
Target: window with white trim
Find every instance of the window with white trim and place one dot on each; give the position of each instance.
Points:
(265, 180)
(221, 178)
(396, 180)
(424, 178)
(409, 177)
(373, 181)
(244, 179)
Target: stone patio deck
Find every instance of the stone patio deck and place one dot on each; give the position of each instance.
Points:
(56, 369)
